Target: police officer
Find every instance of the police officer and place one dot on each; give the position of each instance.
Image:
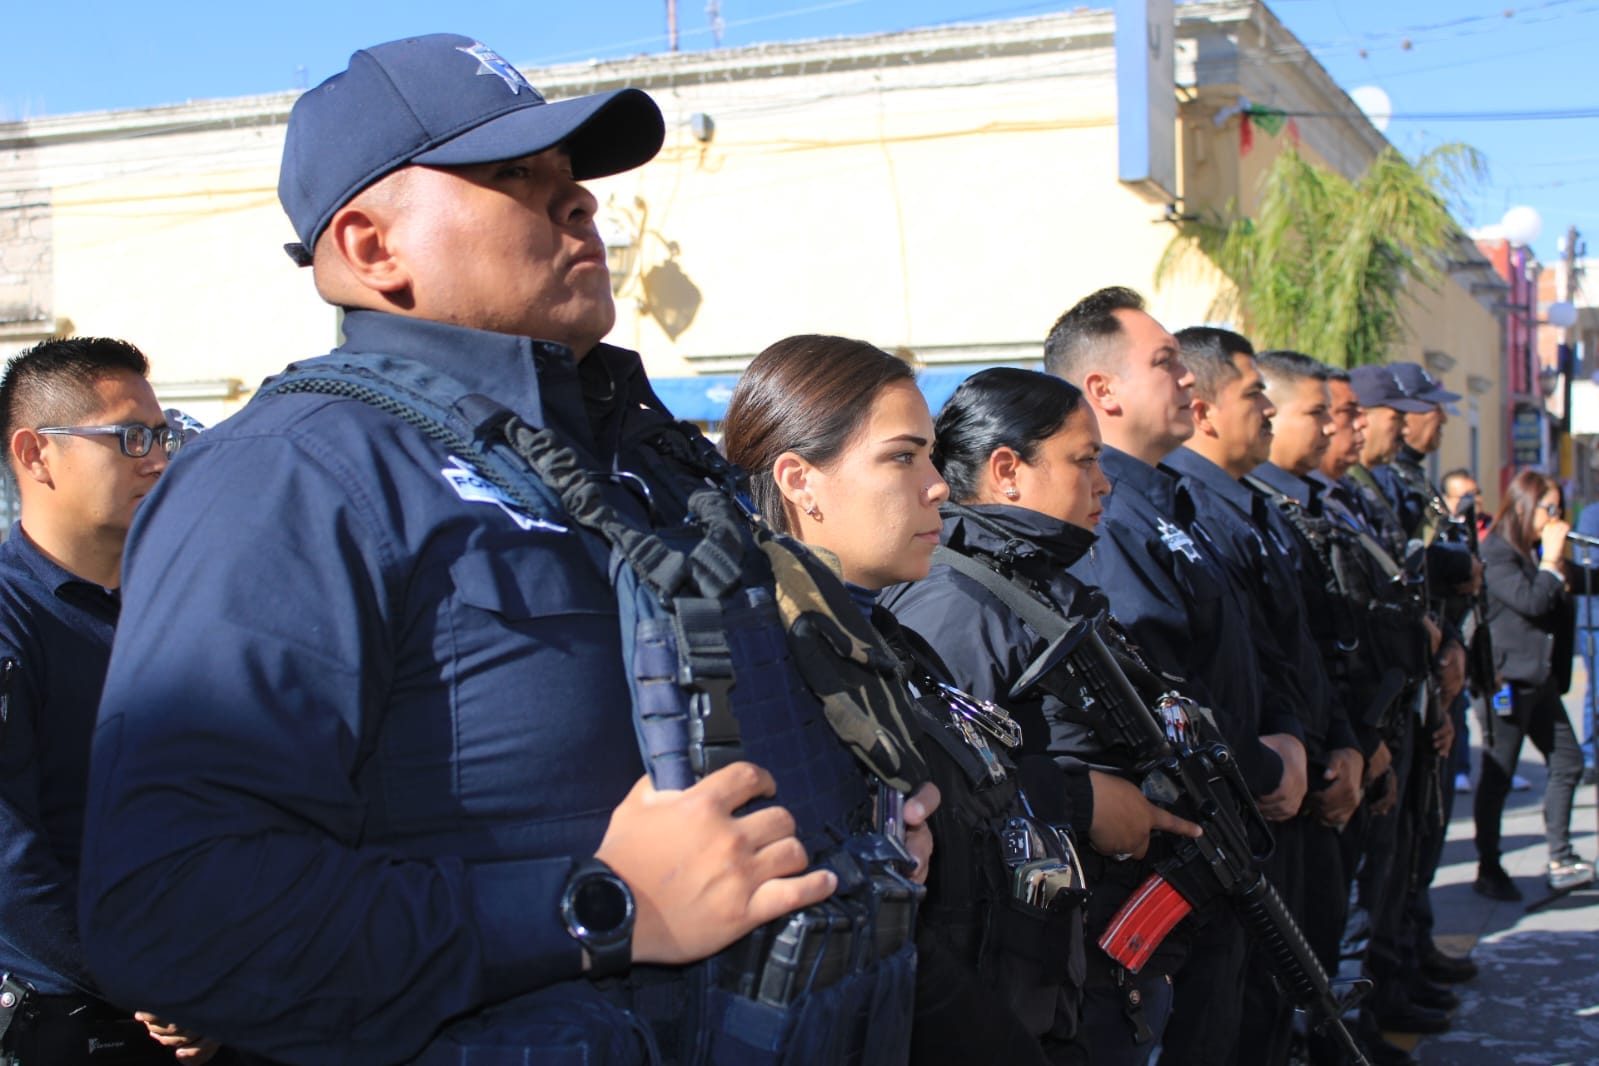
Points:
(1234, 433)
(1383, 650)
(1393, 848)
(824, 424)
(86, 442)
(366, 788)
(1177, 603)
(1349, 631)
(1019, 450)
(1454, 579)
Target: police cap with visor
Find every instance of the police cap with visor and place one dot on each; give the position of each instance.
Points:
(443, 100)
(1417, 384)
(1376, 386)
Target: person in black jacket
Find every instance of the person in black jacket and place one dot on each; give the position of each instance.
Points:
(1530, 618)
(1020, 451)
(837, 440)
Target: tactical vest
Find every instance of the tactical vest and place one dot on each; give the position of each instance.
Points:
(1369, 644)
(716, 676)
(1007, 889)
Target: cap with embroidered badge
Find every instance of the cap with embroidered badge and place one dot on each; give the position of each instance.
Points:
(443, 100)
(1376, 386)
(1420, 385)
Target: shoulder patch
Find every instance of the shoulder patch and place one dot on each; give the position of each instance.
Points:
(475, 488)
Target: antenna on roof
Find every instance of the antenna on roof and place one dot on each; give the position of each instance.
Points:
(713, 11)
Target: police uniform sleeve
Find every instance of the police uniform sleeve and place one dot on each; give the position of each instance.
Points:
(227, 881)
(38, 912)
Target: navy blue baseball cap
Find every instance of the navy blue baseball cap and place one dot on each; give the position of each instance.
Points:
(1420, 385)
(443, 100)
(1376, 386)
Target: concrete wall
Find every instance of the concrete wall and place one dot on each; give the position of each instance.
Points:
(950, 191)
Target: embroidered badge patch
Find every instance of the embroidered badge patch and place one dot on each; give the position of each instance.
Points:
(1177, 541)
(493, 64)
(474, 488)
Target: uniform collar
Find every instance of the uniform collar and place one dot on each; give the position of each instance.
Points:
(1409, 456)
(1153, 484)
(1021, 532)
(1296, 489)
(538, 380)
(58, 579)
(1190, 464)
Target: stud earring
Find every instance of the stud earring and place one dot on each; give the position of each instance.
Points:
(1012, 493)
(814, 512)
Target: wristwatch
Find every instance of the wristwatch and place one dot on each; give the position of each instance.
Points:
(597, 907)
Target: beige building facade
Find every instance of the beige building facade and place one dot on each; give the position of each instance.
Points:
(945, 191)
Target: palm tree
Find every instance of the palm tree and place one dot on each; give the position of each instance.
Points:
(1326, 263)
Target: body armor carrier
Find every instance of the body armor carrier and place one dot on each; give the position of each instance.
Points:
(1007, 890)
(721, 669)
(1369, 643)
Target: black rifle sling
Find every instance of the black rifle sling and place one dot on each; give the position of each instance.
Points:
(705, 660)
(1047, 623)
(689, 585)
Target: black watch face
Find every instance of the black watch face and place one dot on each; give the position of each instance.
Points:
(600, 904)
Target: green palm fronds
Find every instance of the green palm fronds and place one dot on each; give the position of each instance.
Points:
(1327, 264)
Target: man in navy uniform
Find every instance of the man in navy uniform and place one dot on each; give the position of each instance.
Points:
(1454, 577)
(86, 441)
(1167, 587)
(366, 786)
(1400, 1001)
(1233, 435)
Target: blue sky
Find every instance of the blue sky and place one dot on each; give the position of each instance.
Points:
(1433, 57)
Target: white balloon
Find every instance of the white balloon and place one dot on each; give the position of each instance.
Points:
(1375, 104)
(1522, 224)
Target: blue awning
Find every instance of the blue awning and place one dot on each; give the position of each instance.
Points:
(696, 399)
(939, 385)
(705, 398)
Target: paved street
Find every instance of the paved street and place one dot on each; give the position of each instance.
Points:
(1536, 1002)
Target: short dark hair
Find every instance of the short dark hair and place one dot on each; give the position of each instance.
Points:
(1076, 341)
(1208, 353)
(1338, 373)
(1458, 471)
(809, 395)
(1000, 407)
(52, 383)
(1283, 366)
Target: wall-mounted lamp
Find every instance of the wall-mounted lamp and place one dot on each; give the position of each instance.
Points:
(622, 230)
(1561, 314)
(702, 126)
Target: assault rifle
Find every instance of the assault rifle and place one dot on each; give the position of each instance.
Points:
(1183, 765)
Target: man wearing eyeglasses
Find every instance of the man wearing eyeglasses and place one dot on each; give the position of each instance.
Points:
(86, 441)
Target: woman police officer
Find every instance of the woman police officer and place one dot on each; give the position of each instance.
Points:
(1020, 451)
(838, 442)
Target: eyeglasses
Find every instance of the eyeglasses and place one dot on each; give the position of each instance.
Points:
(135, 438)
(1553, 510)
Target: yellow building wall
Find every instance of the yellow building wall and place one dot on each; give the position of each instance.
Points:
(190, 268)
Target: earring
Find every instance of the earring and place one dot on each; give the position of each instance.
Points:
(814, 512)
(1011, 493)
